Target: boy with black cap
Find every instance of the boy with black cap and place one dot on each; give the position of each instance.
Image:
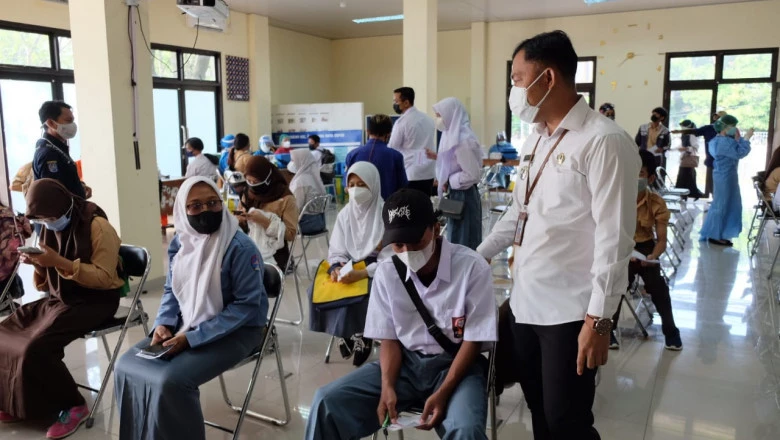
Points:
(419, 364)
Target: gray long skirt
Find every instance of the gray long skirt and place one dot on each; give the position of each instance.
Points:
(468, 230)
(159, 399)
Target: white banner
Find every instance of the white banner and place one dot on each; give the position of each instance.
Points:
(337, 124)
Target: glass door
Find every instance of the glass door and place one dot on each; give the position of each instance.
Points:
(20, 103)
(167, 132)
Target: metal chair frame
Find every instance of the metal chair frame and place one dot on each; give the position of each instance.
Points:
(315, 206)
(765, 210)
(134, 316)
(270, 342)
(4, 299)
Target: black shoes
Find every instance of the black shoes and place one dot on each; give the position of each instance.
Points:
(721, 242)
(356, 346)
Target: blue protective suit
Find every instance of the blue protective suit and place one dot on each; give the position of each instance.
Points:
(724, 219)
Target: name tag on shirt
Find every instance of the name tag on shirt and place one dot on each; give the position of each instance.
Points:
(528, 157)
(520, 228)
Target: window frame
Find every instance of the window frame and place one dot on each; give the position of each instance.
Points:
(589, 88)
(182, 85)
(713, 84)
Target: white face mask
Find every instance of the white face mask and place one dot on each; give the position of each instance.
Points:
(67, 131)
(518, 102)
(415, 260)
(359, 195)
(440, 124)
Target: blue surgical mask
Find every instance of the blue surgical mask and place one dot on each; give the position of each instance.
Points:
(58, 225)
(642, 184)
(190, 153)
(732, 132)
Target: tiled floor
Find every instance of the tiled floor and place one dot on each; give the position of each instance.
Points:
(724, 385)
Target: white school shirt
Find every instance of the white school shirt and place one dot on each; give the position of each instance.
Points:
(462, 292)
(200, 165)
(581, 220)
(412, 134)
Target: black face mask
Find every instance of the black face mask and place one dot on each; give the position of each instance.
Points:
(206, 222)
(397, 108)
(259, 189)
(312, 147)
(654, 118)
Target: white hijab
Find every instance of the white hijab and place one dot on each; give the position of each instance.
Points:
(307, 170)
(457, 134)
(360, 226)
(197, 267)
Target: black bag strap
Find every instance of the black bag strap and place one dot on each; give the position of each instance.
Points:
(433, 329)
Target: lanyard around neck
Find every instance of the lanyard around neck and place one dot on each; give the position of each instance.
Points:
(529, 189)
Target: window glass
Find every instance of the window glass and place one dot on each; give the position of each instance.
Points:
(757, 65)
(199, 67)
(24, 49)
(66, 52)
(692, 68)
(164, 64)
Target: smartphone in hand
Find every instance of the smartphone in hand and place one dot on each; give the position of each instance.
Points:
(30, 250)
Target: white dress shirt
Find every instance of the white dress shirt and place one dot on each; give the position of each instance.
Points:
(413, 133)
(461, 292)
(200, 165)
(317, 155)
(581, 220)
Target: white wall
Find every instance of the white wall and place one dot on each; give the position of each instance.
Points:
(639, 81)
(369, 69)
(300, 68)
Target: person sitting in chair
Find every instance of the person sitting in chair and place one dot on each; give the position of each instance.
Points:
(357, 236)
(212, 316)
(651, 213)
(455, 285)
(305, 186)
(78, 266)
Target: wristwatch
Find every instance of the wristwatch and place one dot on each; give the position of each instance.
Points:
(602, 326)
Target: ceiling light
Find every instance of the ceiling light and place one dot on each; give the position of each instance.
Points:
(378, 19)
(343, 4)
(593, 2)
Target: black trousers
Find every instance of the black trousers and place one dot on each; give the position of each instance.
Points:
(425, 186)
(560, 401)
(656, 287)
(708, 187)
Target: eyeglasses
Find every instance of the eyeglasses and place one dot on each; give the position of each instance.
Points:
(198, 207)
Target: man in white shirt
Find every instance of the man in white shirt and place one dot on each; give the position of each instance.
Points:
(572, 225)
(414, 133)
(445, 373)
(199, 165)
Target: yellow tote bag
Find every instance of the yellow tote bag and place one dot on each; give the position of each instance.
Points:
(329, 294)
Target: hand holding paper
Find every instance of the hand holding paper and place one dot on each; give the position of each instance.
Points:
(345, 269)
(638, 256)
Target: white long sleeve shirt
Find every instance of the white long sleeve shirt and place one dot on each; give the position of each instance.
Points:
(200, 165)
(581, 219)
(413, 133)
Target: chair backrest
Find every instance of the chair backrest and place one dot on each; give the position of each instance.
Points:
(273, 281)
(135, 260)
(317, 205)
(661, 177)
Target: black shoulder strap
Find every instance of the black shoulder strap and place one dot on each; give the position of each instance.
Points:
(434, 330)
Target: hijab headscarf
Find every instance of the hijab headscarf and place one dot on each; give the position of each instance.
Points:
(307, 170)
(196, 274)
(360, 225)
(458, 134)
(264, 171)
(48, 198)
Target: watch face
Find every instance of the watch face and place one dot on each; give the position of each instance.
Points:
(603, 326)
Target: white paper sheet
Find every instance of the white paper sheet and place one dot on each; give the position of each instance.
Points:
(405, 421)
(640, 257)
(345, 269)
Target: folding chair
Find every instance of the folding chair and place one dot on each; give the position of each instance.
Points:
(290, 267)
(625, 299)
(7, 303)
(666, 186)
(273, 281)
(315, 206)
(136, 262)
(765, 210)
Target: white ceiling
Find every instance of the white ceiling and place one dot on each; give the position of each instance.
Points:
(325, 18)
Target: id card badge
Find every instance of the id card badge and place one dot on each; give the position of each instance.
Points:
(522, 218)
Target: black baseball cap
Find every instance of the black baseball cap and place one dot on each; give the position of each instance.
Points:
(407, 214)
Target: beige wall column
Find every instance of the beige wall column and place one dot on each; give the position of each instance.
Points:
(260, 77)
(479, 81)
(101, 50)
(420, 56)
